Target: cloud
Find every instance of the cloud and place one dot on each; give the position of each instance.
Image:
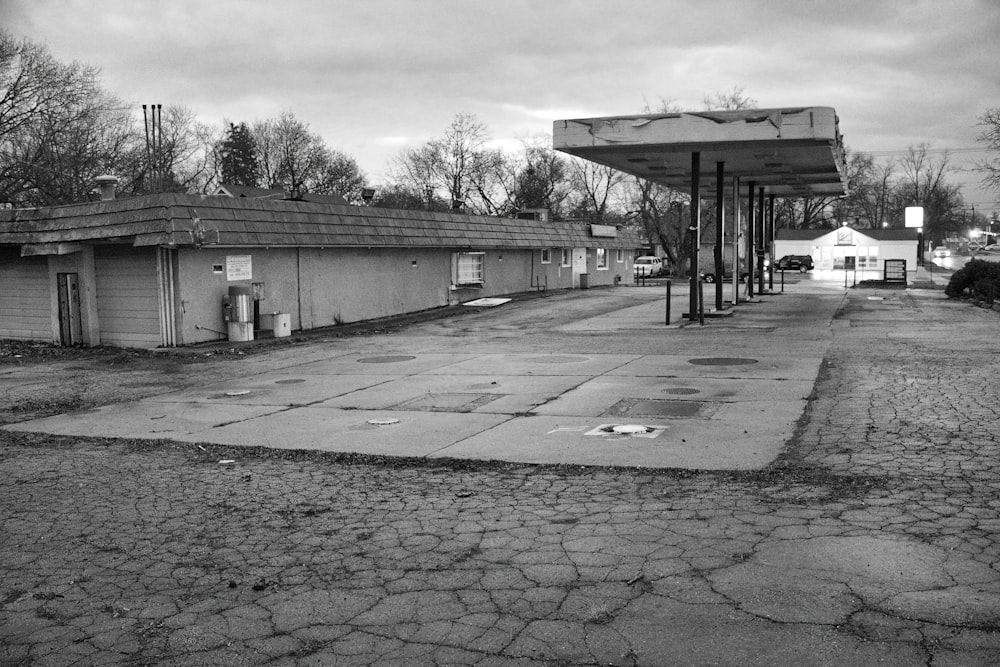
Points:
(374, 76)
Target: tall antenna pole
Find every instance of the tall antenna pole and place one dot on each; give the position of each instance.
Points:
(159, 152)
(149, 153)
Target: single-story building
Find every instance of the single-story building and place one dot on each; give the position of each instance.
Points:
(845, 248)
(156, 270)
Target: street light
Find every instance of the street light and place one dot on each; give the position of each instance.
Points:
(914, 217)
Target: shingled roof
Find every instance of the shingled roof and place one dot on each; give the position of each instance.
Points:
(894, 234)
(196, 220)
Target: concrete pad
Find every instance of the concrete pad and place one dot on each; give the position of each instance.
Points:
(277, 389)
(388, 362)
(595, 397)
(710, 444)
(539, 364)
(727, 364)
(513, 393)
(332, 430)
(142, 420)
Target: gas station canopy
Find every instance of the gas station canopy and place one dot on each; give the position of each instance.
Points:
(791, 152)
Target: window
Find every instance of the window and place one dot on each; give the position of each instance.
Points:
(602, 258)
(469, 268)
(621, 256)
(567, 257)
(546, 256)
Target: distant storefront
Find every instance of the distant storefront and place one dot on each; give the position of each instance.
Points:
(863, 251)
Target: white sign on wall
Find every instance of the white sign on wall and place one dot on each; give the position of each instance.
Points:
(238, 267)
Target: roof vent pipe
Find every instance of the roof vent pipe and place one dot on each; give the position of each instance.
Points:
(107, 185)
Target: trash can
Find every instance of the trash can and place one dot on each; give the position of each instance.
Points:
(584, 281)
(239, 326)
(282, 325)
(279, 324)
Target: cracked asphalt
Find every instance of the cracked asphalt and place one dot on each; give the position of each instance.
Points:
(873, 538)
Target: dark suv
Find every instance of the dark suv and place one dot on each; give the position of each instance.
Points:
(792, 262)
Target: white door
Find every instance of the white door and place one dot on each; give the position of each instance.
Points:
(579, 264)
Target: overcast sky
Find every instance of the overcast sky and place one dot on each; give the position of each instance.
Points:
(374, 76)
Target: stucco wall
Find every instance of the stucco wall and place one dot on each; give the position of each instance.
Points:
(341, 285)
(202, 285)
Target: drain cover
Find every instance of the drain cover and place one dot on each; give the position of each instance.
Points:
(722, 361)
(630, 428)
(289, 381)
(447, 402)
(623, 431)
(389, 359)
(634, 407)
(681, 391)
(383, 422)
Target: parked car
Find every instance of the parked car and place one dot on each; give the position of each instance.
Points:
(942, 251)
(709, 277)
(647, 266)
(801, 263)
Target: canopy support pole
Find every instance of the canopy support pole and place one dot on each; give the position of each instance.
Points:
(694, 230)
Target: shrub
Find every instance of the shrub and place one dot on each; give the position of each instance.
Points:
(978, 279)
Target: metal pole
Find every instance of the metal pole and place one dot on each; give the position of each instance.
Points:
(736, 240)
(751, 189)
(701, 303)
(770, 241)
(720, 220)
(159, 151)
(149, 154)
(759, 233)
(667, 321)
(693, 232)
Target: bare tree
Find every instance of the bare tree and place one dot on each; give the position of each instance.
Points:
(732, 100)
(595, 186)
(990, 137)
(49, 113)
(290, 155)
(458, 163)
(925, 183)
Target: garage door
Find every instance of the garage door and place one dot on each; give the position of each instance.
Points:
(127, 304)
(25, 299)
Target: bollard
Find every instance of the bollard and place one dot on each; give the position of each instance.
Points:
(782, 281)
(668, 302)
(701, 303)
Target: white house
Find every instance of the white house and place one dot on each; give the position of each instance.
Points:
(845, 248)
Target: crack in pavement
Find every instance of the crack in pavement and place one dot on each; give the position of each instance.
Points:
(874, 537)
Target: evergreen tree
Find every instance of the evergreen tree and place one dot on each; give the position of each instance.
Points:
(238, 153)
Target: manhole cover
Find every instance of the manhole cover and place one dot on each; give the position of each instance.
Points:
(289, 381)
(635, 407)
(389, 359)
(722, 361)
(681, 391)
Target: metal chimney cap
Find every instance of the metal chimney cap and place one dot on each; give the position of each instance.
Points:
(107, 185)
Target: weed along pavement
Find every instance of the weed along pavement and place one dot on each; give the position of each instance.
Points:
(560, 480)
